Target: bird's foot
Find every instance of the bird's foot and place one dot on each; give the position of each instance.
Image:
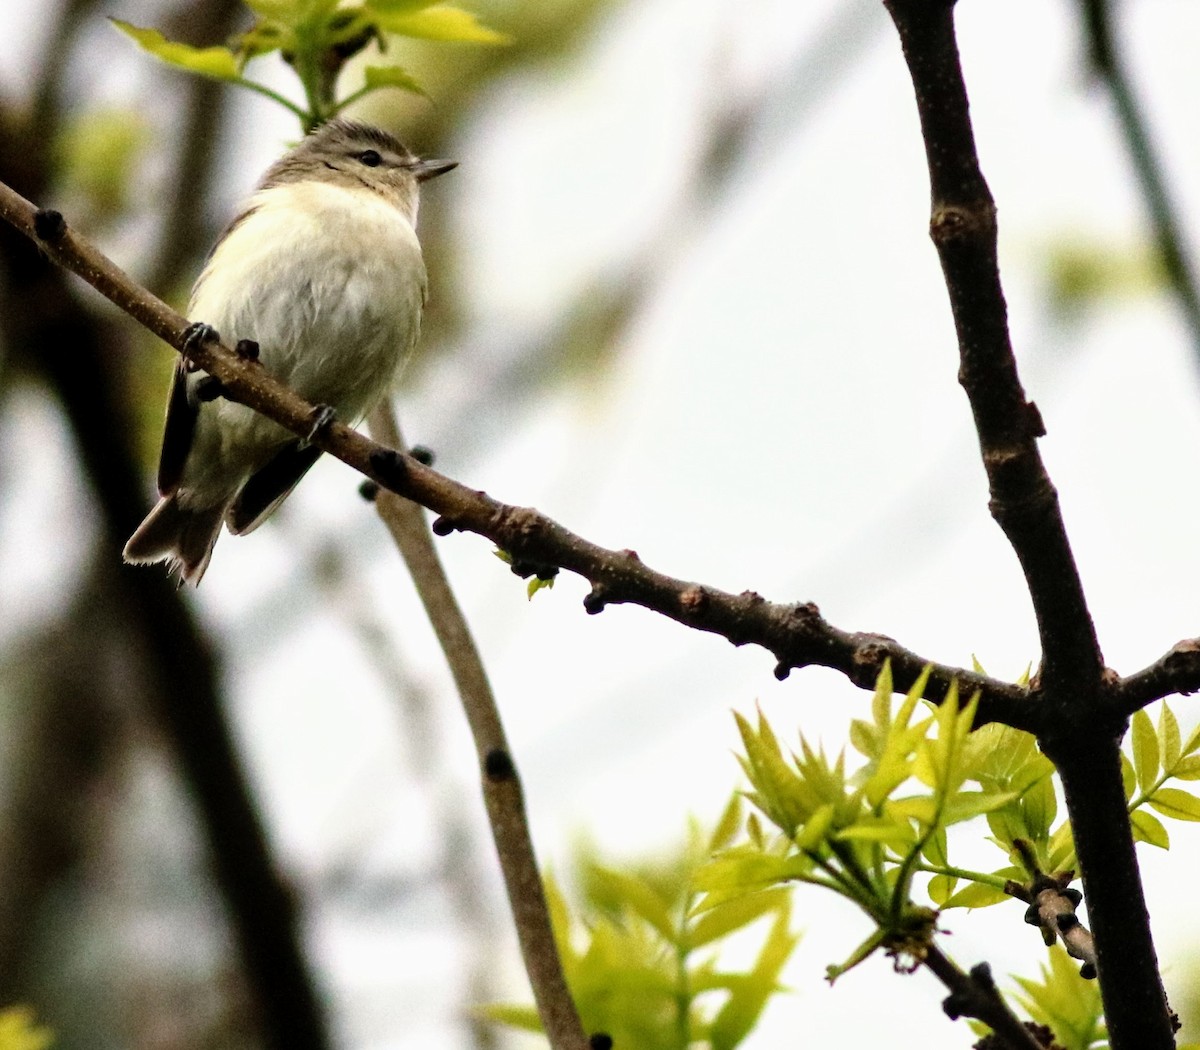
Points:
(195, 336)
(323, 417)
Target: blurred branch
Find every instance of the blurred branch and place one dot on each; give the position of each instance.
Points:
(77, 353)
(502, 791)
(797, 635)
(183, 230)
(1108, 66)
(1080, 717)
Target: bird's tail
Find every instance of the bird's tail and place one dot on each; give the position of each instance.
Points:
(181, 536)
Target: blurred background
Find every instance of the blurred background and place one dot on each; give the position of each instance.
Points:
(682, 300)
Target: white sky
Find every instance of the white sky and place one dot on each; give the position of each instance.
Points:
(785, 417)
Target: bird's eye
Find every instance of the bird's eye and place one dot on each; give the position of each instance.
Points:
(370, 158)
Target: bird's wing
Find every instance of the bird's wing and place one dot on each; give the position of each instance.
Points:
(178, 431)
(269, 486)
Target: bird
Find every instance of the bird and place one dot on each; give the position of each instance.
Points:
(320, 276)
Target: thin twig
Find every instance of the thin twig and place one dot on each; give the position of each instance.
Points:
(796, 634)
(1107, 63)
(502, 792)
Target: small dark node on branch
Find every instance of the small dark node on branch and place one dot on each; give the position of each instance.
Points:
(782, 670)
(423, 454)
(390, 467)
(1033, 416)
(950, 223)
(632, 555)
(49, 224)
(1042, 1035)
(195, 336)
(595, 599)
(246, 349)
(498, 766)
(956, 1004)
(525, 568)
(209, 388)
(805, 614)
(322, 419)
(443, 526)
(1089, 973)
(981, 974)
(369, 490)
(600, 1041)
(694, 601)
(753, 597)
(1066, 922)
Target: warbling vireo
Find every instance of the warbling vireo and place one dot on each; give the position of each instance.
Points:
(322, 270)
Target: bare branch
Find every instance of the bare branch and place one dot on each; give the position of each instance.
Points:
(797, 634)
(974, 995)
(963, 227)
(1176, 672)
(502, 792)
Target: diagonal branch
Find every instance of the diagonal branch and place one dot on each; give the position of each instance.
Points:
(502, 792)
(1108, 65)
(797, 634)
(963, 227)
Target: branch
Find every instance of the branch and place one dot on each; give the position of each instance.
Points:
(974, 995)
(963, 227)
(1079, 727)
(797, 634)
(1107, 64)
(502, 792)
(1177, 672)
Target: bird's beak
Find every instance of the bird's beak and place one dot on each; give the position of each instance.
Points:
(431, 169)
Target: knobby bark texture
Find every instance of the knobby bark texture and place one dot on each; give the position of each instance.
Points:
(1078, 722)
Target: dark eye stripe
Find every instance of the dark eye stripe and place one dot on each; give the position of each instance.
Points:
(370, 158)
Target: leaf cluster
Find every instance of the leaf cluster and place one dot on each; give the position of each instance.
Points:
(642, 962)
(317, 37)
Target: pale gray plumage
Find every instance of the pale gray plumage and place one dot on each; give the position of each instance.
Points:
(322, 268)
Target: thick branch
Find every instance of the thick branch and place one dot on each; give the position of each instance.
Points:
(502, 791)
(1176, 672)
(963, 227)
(1079, 728)
(797, 635)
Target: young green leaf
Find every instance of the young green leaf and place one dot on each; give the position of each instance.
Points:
(1148, 828)
(1174, 802)
(439, 22)
(1169, 742)
(376, 77)
(217, 62)
(1145, 750)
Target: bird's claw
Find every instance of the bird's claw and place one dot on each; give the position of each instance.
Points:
(322, 418)
(197, 335)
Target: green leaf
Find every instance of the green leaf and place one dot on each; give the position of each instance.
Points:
(1174, 802)
(965, 805)
(1170, 745)
(976, 895)
(733, 915)
(400, 7)
(941, 887)
(439, 22)
(748, 997)
(1187, 768)
(624, 890)
(514, 1015)
(1065, 1001)
(1145, 751)
(376, 77)
(217, 62)
(1128, 776)
(536, 583)
(1148, 828)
